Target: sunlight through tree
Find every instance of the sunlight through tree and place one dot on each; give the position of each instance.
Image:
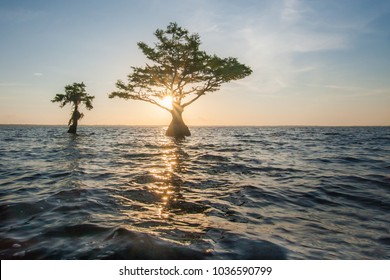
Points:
(181, 72)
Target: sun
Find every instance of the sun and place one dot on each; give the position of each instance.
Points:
(167, 102)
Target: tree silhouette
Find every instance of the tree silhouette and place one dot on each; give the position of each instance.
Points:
(181, 71)
(75, 95)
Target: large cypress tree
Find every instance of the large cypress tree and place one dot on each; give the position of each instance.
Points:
(179, 71)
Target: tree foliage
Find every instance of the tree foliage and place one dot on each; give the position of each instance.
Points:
(75, 95)
(180, 70)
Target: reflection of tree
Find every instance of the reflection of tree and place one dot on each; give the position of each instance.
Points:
(72, 160)
(171, 181)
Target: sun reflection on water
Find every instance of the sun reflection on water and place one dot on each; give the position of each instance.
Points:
(168, 179)
(157, 199)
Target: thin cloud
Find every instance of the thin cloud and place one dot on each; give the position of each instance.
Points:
(359, 91)
(346, 88)
(292, 11)
(268, 37)
(305, 69)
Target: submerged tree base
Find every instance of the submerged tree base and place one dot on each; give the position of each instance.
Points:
(177, 127)
(178, 130)
(72, 129)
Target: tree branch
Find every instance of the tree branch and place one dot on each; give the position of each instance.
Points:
(149, 100)
(208, 87)
(194, 99)
(157, 104)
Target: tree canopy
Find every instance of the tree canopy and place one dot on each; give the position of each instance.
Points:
(179, 69)
(75, 95)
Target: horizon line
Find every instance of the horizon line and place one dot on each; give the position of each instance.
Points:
(210, 125)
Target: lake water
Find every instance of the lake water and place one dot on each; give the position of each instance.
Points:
(223, 193)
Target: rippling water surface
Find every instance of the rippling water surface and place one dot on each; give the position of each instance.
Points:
(224, 193)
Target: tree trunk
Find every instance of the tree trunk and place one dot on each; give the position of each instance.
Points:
(177, 127)
(76, 115)
(73, 128)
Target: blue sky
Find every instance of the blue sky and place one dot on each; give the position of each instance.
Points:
(315, 62)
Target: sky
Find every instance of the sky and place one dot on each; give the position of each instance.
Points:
(314, 62)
